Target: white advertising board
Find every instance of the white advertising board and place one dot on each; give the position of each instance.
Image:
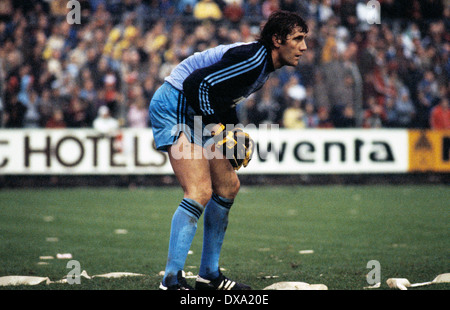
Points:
(132, 151)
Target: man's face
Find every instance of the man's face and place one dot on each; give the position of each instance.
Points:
(292, 49)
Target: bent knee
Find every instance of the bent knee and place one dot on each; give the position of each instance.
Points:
(199, 194)
(228, 190)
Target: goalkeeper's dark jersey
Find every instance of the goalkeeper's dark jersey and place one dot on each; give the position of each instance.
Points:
(216, 80)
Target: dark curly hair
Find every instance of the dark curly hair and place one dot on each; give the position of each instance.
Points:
(280, 24)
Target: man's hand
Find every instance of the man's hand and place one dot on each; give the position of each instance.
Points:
(236, 146)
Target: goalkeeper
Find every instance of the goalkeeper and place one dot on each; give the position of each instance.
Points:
(203, 90)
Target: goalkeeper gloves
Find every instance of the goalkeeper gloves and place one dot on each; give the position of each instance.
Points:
(236, 146)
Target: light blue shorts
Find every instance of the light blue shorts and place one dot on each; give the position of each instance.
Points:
(170, 115)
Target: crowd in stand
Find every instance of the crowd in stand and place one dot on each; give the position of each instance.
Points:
(57, 74)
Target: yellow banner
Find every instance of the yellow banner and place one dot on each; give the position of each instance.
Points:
(429, 151)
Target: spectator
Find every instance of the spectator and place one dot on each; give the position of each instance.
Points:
(325, 11)
(111, 94)
(347, 13)
(324, 118)
(88, 92)
(345, 117)
(269, 6)
(167, 8)
(293, 116)
(293, 89)
(405, 109)
(78, 115)
(245, 110)
(268, 110)
(320, 91)
(440, 115)
(32, 116)
(6, 9)
(104, 122)
(374, 115)
(171, 60)
(14, 113)
(185, 6)
(98, 76)
(349, 58)
(149, 87)
(427, 92)
(307, 68)
(58, 9)
(252, 9)
(310, 117)
(347, 94)
(137, 116)
(207, 9)
(46, 105)
(381, 86)
(233, 11)
(56, 120)
(392, 117)
(339, 84)
(246, 32)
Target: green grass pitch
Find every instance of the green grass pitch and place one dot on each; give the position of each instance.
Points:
(405, 228)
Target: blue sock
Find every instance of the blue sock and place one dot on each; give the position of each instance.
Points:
(184, 226)
(215, 225)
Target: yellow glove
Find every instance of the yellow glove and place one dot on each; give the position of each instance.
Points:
(236, 146)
